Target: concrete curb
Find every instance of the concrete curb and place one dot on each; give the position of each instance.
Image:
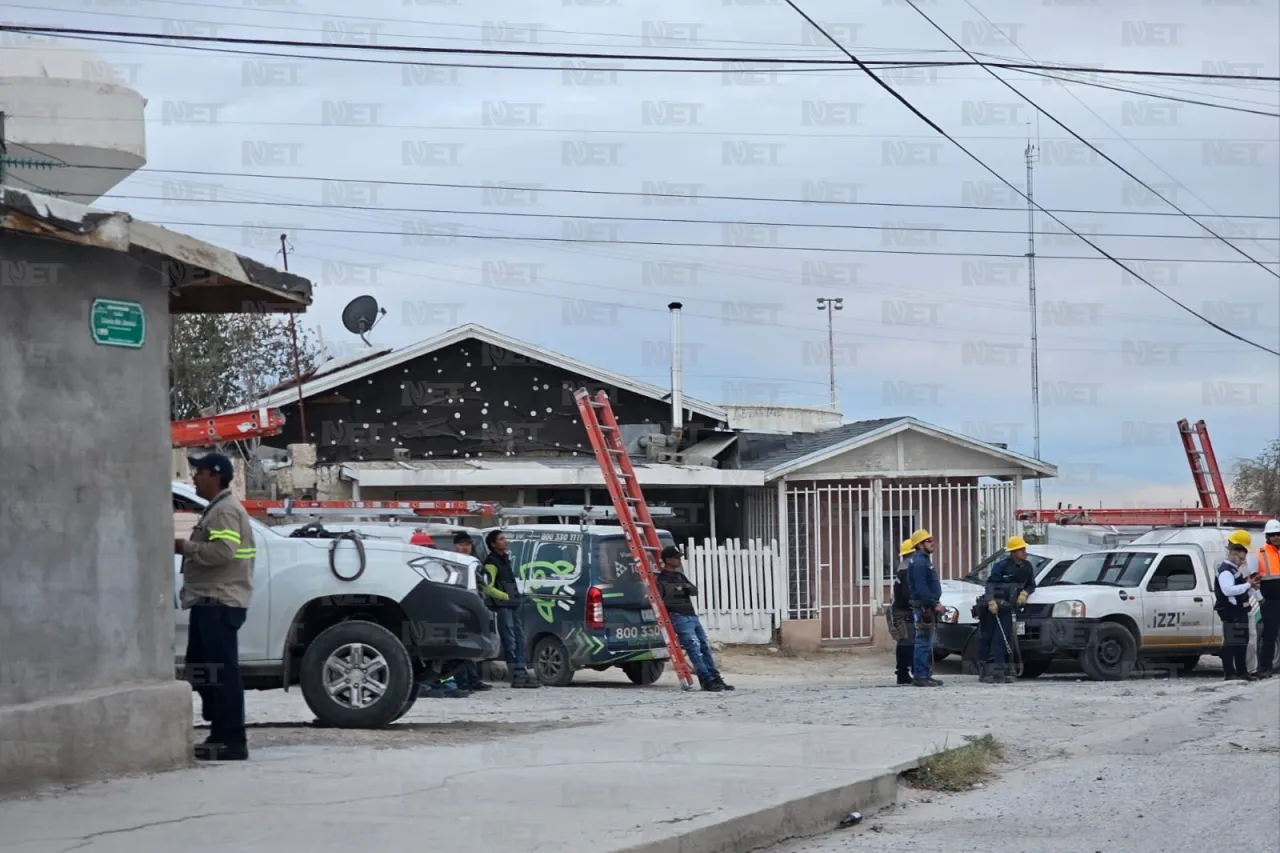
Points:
(814, 814)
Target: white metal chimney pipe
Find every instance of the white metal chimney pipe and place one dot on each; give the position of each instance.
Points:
(677, 371)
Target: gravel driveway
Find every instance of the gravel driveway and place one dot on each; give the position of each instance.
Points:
(837, 688)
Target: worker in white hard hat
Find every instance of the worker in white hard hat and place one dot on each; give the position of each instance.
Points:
(1010, 582)
(1269, 567)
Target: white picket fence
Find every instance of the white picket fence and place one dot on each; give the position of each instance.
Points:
(742, 589)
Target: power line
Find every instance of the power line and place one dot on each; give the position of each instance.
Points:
(740, 272)
(1093, 147)
(1120, 135)
(665, 131)
(915, 111)
(667, 219)
(74, 32)
(1156, 95)
(493, 186)
(771, 248)
(704, 43)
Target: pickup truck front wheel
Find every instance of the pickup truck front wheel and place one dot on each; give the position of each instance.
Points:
(1112, 653)
(357, 675)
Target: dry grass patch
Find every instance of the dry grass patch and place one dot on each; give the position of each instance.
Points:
(960, 768)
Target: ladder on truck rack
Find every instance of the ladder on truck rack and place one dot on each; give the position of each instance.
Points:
(1154, 517)
(236, 426)
(632, 512)
(1204, 466)
(369, 508)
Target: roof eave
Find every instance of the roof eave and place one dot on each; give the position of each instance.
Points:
(1037, 468)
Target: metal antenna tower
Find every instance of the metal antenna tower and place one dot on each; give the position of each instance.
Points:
(1033, 154)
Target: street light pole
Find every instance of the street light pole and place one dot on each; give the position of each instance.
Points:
(828, 304)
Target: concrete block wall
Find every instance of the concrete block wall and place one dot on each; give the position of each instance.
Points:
(87, 683)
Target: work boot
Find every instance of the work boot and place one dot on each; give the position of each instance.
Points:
(208, 751)
(480, 687)
(526, 682)
(723, 686)
(1007, 679)
(710, 686)
(927, 682)
(904, 680)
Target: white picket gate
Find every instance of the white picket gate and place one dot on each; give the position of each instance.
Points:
(742, 589)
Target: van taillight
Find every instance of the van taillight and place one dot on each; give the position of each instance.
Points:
(595, 608)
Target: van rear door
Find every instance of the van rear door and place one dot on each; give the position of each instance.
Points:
(629, 621)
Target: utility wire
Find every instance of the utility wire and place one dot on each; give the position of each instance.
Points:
(741, 272)
(704, 44)
(1095, 149)
(906, 103)
(670, 219)
(73, 32)
(637, 194)
(520, 238)
(1156, 95)
(694, 41)
(667, 131)
(1110, 127)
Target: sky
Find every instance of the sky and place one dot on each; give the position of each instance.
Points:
(934, 320)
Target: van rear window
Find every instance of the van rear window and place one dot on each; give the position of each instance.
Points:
(614, 562)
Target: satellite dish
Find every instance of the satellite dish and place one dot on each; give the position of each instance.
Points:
(361, 315)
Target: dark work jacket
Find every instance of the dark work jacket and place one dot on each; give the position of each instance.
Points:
(901, 597)
(677, 600)
(1008, 578)
(923, 585)
(502, 590)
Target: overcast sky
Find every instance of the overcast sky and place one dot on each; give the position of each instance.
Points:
(943, 338)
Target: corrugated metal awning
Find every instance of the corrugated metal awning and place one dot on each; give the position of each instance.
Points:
(202, 278)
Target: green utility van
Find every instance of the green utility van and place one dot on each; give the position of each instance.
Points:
(585, 605)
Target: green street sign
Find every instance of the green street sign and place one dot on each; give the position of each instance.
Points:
(116, 323)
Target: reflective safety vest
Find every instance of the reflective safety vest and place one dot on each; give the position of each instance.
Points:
(1268, 561)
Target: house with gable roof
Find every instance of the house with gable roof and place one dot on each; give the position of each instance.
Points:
(473, 414)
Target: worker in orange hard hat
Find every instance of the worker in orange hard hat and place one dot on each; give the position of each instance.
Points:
(1010, 583)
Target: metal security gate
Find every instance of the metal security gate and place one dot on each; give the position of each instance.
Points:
(843, 542)
(832, 529)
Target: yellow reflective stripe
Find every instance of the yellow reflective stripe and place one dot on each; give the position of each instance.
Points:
(228, 535)
(246, 553)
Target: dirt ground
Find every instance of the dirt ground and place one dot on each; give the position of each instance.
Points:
(845, 687)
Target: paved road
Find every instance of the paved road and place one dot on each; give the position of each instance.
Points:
(1157, 782)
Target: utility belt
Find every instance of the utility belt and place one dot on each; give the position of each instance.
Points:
(927, 617)
(979, 610)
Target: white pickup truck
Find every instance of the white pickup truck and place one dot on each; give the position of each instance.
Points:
(356, 626)
(1125, 610)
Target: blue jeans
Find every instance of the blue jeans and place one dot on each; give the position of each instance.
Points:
(467, 674)
(922, 661)
(696, 646)
(213, 668)
(511, 630)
